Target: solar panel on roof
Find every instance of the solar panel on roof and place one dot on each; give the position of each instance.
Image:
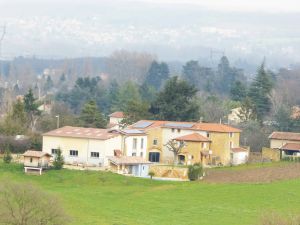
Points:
(142, 124)
(133, 131)
(181, 125)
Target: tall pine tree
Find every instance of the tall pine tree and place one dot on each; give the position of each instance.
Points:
(259, 92)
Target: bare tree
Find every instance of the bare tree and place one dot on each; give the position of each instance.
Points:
(175, 147)
(24, 204)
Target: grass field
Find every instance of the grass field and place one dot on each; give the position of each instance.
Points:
(99, 198)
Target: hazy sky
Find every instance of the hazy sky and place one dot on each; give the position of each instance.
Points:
(171, 29)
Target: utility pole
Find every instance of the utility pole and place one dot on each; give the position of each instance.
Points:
(1, 39)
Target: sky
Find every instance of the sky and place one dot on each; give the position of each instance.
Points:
(246, 31)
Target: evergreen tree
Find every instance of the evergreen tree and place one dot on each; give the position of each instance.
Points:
(147, 92)
(227, 75)
(135, 111)
(259, 92)
(31, 109)
(177, 101)
(114, 96)
(7, 157)
(190, 72)
(238, 91)
(62, 78)
(58, 160)
(157, 74)
(18, 112)
(49, 84)
(91, 117)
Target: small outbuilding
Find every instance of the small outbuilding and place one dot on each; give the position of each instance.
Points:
(36, 160)
(130, 165)
(239, 155)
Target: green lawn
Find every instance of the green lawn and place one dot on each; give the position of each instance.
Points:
(99, 198)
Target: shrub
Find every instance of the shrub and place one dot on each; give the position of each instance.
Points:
(195, 171)
(7, 155)
(58, 160)
(151, 174)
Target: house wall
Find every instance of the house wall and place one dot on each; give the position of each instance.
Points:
(274, 143)
(84, 147)
(169, 134)
(154, 133)
(140, 150)
(115, 120)
(34, 163)
(271, 153)
(220, 145)
(192, 152)
(239, 158)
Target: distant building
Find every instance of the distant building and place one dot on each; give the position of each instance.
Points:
(36, 160)
(115, 120)
(93, 146)
(288, 143)
(207, 143)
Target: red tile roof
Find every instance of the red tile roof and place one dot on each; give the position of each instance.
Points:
(291, 146)
(212, 127)
(117, 115)
(193, 137)
(82, 132)
(239, 149)
(285, 136)
(128, 160)
(35, 154)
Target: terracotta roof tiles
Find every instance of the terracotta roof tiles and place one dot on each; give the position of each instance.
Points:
(82, 132)
(195, 137)
(285, 136)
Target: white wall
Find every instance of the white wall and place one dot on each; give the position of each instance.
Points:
(129, 145)
(240, 158)
(115, 120)
(84, 147)
(274, 143)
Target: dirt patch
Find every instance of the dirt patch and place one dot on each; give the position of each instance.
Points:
(254, 175)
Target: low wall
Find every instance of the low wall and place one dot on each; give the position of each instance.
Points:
(169, 171)
(271, 153)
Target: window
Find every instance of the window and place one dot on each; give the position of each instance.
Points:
(74, 153)
(95, 154)
(173, 130)
(231, 134)
(207, 134)
(203, 145)
(133, 154)
(154, 156)
(142, 143)
(142, 154)
(30, 160)
(134, 143)
(54, 151)
(178, 130)
(230, 144)
(155, 142)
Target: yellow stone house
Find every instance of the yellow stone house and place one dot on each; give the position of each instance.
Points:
(208, 143)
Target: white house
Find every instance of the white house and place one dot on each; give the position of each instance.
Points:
(93, 146)
(239, 155)
(89, 146)
(115, 120)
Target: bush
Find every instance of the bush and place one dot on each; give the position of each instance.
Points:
(151, 174)
(58, 160)
(195, 171)
(7, 156)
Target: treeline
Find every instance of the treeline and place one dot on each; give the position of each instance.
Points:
(265, 103)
